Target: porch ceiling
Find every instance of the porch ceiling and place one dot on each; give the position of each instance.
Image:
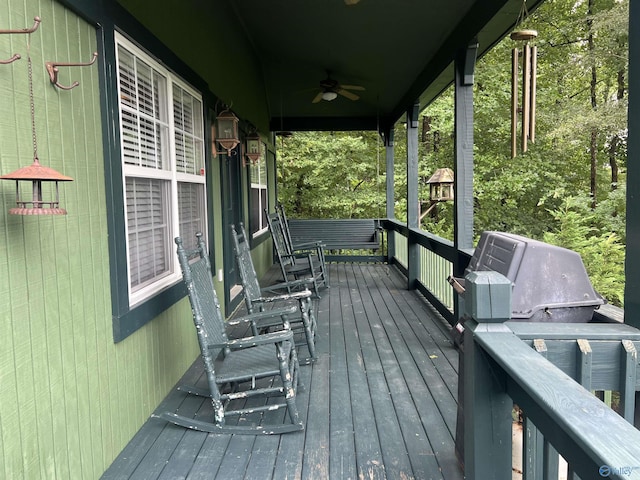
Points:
(401, 51)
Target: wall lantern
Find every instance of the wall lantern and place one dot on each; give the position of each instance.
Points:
(226, 126)
(36, 174)
(441, 185)
(254, 147)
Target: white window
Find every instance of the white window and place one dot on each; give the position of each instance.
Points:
(162, 147)
(258, 200)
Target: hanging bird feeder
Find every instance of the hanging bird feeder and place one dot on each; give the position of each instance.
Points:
(35, 173)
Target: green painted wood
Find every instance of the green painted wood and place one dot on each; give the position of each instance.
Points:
(70, 398)
(584, 363)
(632, 258)
(428, 372)
(375, 320)
(463, 149)
(336, 234)
(388, 137)
(487, 409)
(550, 461)
(606, 370)
(341, 428)
(368, 452)
(535, 449)
(571, 418)
(573, 331)
(532, 450)
(413, 215)
(628, 379)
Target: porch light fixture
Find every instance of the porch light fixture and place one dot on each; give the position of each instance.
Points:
(254, 150)
(226, 127)
(329, 95)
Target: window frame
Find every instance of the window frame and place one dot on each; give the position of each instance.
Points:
(131, 310)
(263, 193)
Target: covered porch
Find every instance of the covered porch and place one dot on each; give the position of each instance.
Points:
(380, 401)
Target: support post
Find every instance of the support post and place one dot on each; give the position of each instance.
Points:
(413, 213)
(463, 159)
(487, 407)
(632, 267)
(387, 136)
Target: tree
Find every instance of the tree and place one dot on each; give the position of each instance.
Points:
(331, 175)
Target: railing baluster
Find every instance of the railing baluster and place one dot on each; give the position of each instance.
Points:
(550, 461)
(585, 358)
(628, 366)
(534, 440)
(533, 444)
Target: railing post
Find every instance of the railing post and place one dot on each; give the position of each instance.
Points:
(390, 197)
(413, 215)
(463, 158)
(632, 265)
(487, 407)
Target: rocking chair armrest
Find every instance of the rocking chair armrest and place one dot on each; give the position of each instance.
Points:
(257, 316)
(303, 254)
(303, 282)
(255, 340)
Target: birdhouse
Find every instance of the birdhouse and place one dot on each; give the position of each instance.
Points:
(441, 185)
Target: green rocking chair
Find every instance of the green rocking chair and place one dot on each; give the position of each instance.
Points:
(256, 297)
(237, 369)
(294, 265)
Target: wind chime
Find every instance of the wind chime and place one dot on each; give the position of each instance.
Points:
(35, 173)
(528, 66)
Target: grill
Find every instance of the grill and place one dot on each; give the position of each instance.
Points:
(550, 283)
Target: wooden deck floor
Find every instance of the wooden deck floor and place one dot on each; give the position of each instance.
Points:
(380, 402)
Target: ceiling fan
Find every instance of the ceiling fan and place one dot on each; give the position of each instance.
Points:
(330, 89)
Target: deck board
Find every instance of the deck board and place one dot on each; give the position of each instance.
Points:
(379, 402)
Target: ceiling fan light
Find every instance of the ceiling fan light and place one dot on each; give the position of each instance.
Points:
(329, 95)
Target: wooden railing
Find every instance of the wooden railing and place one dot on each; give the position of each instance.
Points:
(435, 262)
(549, 370)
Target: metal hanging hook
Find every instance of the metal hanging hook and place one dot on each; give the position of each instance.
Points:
(36, 23)
(52, 68)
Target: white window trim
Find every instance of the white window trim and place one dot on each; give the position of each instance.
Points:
(260, 186)
(171, 175)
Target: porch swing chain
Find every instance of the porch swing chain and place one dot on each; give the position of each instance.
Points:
(31, 100)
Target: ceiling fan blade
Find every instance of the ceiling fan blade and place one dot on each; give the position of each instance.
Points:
(348, 94)
(352, 87)
(317, 98)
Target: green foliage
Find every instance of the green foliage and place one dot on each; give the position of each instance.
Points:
(602, 251)
(332, 175)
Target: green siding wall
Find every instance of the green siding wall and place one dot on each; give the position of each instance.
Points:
(225, 43)
(70, 399)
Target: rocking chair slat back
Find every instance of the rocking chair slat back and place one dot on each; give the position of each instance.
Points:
(205, 305)
(246, 268)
